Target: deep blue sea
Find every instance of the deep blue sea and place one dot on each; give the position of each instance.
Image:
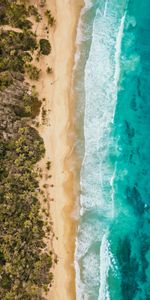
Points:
(112, 85)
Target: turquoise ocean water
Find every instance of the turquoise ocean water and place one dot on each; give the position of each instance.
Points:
(112, 85)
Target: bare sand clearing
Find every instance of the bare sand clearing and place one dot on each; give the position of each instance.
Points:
(58, 134)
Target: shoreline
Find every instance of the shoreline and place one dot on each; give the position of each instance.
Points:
(64, 273)
(58, 133)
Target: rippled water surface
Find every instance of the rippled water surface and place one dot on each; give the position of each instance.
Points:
(113, 89)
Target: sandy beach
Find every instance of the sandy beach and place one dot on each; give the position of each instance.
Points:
(57, 130)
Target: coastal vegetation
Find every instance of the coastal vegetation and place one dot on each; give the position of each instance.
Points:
(33, 11)
(25, 262)
(50, 18)
(33, 72)
(45, 47)
(49, 70)
(14, 14)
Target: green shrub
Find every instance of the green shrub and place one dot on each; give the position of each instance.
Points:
(5, 80)
(45, 47)
(33, 11)
(12, 50)
(50, 18)
(33, 72)
(48, 165)
(28, 106)
(14, 14)
(25, 264)
(49, 70)
(44, 114)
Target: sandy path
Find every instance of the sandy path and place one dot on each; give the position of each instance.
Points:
(8, 27)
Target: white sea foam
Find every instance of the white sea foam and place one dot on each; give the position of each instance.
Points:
(79, 38)
(107, 261)
(116, 80)
(118, 50)
(83, 30)
(105, 8)
(82, 36)
(88, 4)
(100, 102)
(79, 284)
(106, 258)
(101, 78)
(113, 191)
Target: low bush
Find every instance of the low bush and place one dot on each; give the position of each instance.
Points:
(45, 47)
(5, 80)
(33, 72)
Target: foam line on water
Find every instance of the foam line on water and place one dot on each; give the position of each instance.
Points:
(101, 53)
(113, 191)
(118, 49)
(102, 116)
(116, 79)
(105, 8)
(105, 255)
(80, 37)
(79, 285)
(88, 4)
(96, 175)
(83, 32)
(105, 263)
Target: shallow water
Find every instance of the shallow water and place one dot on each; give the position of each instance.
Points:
(112, 86)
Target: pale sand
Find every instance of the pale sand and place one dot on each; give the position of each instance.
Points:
(58, 135)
